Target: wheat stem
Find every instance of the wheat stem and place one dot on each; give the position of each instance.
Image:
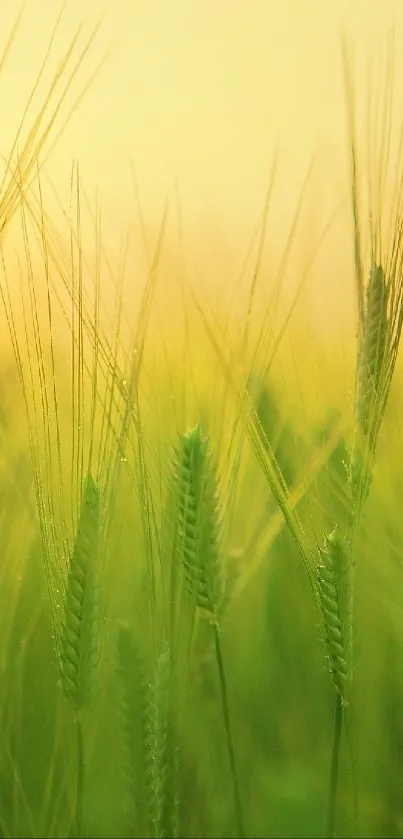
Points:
(334, 770)
(228, 733)
(80, 778)
(79, 650)
(200, 550)
(335, 583)
(350, 748)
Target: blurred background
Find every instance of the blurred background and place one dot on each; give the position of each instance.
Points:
(195, 99)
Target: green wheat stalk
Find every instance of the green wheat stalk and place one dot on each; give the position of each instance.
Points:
(199, 525)
(162, 753)
(79, 636)
(132, 707)
(380, 320)
(335, 582)
(337, 568)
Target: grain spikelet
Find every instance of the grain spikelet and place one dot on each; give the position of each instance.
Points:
(370, 370)
(199, 522)
(159, 739)
(373, 350)
(132, 709)
(80, 630)
(335, 579)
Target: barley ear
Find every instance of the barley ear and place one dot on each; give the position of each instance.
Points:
(131, 711)
(335, 582)
(199, 534)
(199, 522)
(79, 645)
(372, 356)
(162, 752)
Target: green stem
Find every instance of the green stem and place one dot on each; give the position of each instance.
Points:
(334, 772)
(80, 779)
(349, 742)
(231, 751)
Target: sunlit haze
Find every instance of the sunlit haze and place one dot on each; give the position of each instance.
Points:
(196, 98)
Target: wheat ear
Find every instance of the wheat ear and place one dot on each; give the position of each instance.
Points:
(335, 581)
(159, 741)
(372, 357)
(132, 709)
(199, 525)
(335, 585)
(199, 522)
(80, 631)
(79, 639)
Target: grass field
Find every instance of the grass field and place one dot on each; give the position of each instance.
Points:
(201, 577)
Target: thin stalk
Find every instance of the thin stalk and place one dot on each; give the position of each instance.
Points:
(334, 771)
(230, 744)
(78, 821)
(353, 769)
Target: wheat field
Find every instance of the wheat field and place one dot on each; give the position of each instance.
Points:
(201, 576)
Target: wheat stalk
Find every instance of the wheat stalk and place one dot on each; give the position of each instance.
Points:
(199, 528)
(132, 711)
(158, 745)
(335, 585)
(79, 636)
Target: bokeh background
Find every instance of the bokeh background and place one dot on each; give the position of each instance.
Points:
(196, 98)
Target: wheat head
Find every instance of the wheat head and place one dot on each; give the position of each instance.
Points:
(199, 521)
(372, 357)
(335, 581)
(132, 711)
(79, 647)
(160, 753)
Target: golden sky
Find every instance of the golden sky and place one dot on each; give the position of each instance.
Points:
(201, 93)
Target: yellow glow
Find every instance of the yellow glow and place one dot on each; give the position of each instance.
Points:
(201, 93)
